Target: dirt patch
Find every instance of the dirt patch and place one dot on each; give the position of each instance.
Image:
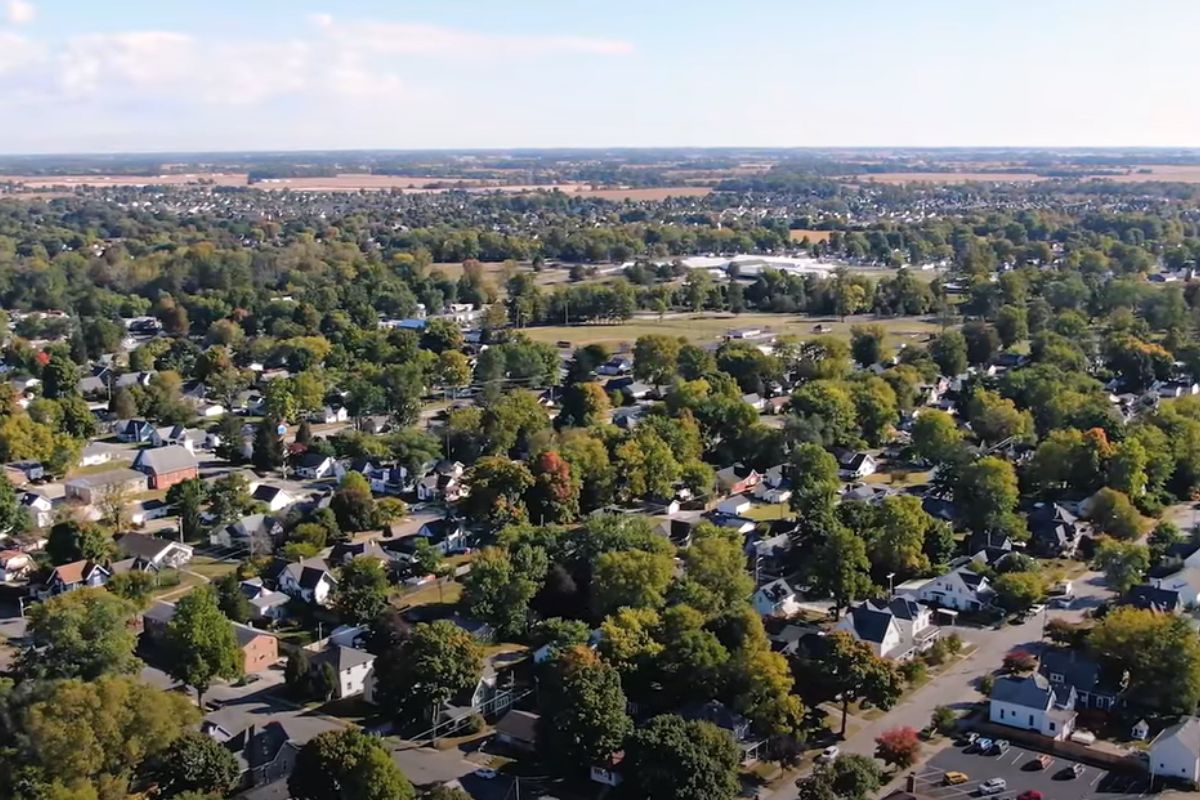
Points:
(800, 234)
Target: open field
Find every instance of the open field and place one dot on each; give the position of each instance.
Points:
(711, 326)
(99, 181)
(656, 193)
(949, 177)
(1181, 173)
(799, 234)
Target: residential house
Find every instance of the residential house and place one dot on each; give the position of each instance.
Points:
(728, 720)
(735, 504)
(1175, 752)
(898, 629)
(775, 487)
(264, 755)
(873, 493)
(855, 464)
(89, 489)
(312, 580)
(443, 483)
(134, 431)
(265, 605)
(351, 666)
(1074, 669)
(131, 379)
(962, 589)
(518, 730)
(190, 439)
(14, 565)
(1031, 702)
(1185, 583)
(167, 466)
(275, 498)
(776, 599)
(738, 479)
(330, 415)
(446, 535)
(39, 508)
(389, 480)
(628, 418)
(96, 453)
(1054, 531)
(75, 575)
(31, 470)
(257, 533)
(260, 650)
(755, 401)
(345, 552)
(315, 466)
(678, 530)
(162, 553)
(608, 772)
(1154, 598)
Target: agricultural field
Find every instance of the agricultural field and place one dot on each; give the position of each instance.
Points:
(800, 234)
(710, 327)
(655, 193)
(950, 177)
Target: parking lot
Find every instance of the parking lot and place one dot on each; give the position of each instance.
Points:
(1015, 767)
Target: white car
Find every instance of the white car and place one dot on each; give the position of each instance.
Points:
(993, 786)
(829, 754)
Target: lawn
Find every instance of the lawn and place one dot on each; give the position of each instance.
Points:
(99, 469)
(767, 512)
(712, 326)
(210, 567)
(447, 594)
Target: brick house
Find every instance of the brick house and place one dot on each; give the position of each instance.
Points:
(166, 466)
(260, 650)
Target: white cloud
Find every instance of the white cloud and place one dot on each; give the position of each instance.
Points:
(18, 53)
(19, 12)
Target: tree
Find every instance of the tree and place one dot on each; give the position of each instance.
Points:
(866, 343)
(857, 674)
(200, 642)
(122, 404)
(1160, 653)
(949, 351)
(987, 492)
(436, 661)
(716, 564)
(268, 445)
(82, 634)
(297, 674)
(187, 500)
(554, 496)
(1112, 513)
(673, 759)
(633, 578)
(1165, 535)
(841, 568)
(71, 541)
(498, 486)
(230, 499)
(195, 763)
(353, 504)
(582, 706)
(230, 446)
(1012, 325)
(815, 481)
(347, 764)
(944, 720)
(1017, 591)
(1020, 661)
(982, 342)
(453, 369)
(1124, 564)
(898, 540)
(135, 586)
(655, 357)
(230, 597)
(498, 590)
(362, 590)
(849, 777)
(898, 747)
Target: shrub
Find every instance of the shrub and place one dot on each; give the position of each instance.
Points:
(914, 671)
(1020, 661)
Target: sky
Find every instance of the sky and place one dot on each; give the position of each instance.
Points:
(82, 76)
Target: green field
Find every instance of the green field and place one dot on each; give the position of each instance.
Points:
(711, 326)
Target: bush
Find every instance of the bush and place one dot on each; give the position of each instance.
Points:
(986, 684)
(914, 671)
(1020, 661)
(944, 720)
(473, 724)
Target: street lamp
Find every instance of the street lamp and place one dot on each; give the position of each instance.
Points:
(891, 576)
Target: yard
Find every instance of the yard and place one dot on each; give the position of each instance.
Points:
(711, 326)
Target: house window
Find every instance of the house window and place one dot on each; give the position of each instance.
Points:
(1002, 713)
(1031, 720)
(1051, 726)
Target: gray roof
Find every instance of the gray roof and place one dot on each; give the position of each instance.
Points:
(162, 460)
(1076, 669)
(245, 634)
(342, 658)
(142, 546)
(1033, 691)
(1186, 731)
(871, 624)
(160, 611)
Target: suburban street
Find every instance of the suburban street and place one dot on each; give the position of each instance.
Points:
(958, 687)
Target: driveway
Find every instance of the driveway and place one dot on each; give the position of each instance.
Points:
(958, 687)
(1014, 766)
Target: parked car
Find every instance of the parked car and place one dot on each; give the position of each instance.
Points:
(999, 747)
(954, 778)
(1073, 771)
(1030, 794)
(1041, 762)
(984, 744)
(829, 754)
(993, 786)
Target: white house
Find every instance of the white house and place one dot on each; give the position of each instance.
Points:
(1032, 703)
(352, 667)
(39, 508)
(734, 504)
(161, 553)
(96, 453)
(776, 599)
(265, 605)
(315, 466)
(311, 580)
(856, 464)
(899, 629)
(1186, 583)
(962, 589)
(330, 415)
(273, 497)
(1176, 751)
(210, 410)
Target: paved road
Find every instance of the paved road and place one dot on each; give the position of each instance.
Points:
(958, 687)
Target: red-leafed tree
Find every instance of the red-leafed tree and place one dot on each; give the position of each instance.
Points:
(1020, 661)
(554, 496)
(898, 747)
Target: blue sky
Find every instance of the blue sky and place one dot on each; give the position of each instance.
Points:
(142, 75)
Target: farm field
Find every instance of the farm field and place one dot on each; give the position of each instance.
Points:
(709, 327)
(655, 193)
(100, 181)
(799, 234)
(950, 177)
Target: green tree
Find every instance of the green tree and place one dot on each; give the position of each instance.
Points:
(498, 487)
(187, 499)
(935, 436)
(673, 759)
(362, 590)
(82, 634)
(841, 568)
(353, 504)
(229, 498)
(499, 588)
(71, 541)
(230, 597)
(436, 661)
(1017, 591)
(195, 763)
(122, 404)
(633, 578)
(655, 357)
(987, 492)
(268, 446)
(200, 642)
(582, 707)
(1113, 514)
(716, 564)
(1159, 652)
(866, 343)
(1124, 564)
(1012, 325)
(949, 351)
(857, 674)
(136, 587)
(344, 765)
(898, 541)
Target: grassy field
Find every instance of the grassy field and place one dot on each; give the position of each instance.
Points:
(710, 326)
(210, 567)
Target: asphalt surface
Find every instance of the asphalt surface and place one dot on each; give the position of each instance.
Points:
(1015, 767)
